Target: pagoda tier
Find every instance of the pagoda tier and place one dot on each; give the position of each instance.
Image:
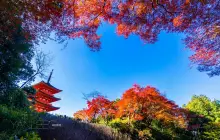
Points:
(45, 96)
(42, 107)
(46, 88)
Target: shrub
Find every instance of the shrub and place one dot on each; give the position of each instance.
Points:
(119, 124)
(31, 136)
(15, 98)
(14, 121)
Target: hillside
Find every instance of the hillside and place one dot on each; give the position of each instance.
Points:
(75, 130)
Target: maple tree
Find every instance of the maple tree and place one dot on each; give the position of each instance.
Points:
(81, 115)
(139, 112)
(36, 18)
(198, 19)
(98, 106)
(147, 104)
(137, 103)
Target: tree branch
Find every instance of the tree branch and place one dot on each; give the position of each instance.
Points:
(161, 5)
(28, 80)
(100, 12)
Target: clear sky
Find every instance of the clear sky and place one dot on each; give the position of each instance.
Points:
(120, 64)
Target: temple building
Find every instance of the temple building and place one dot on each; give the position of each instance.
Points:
(45, 96)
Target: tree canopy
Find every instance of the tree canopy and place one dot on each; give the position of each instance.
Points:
(197, 19)
(142, 112)
(145, 113)
(203, 105)
(207, 119)
(15, 61)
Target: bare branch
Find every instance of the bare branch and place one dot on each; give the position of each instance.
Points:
(92, 95)
(42, 63)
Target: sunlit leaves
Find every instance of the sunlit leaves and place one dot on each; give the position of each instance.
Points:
(198, 19)
(204, 106)
(177, 21)
(136, 104)
(98, 106)
(81, 115)
(147, 103)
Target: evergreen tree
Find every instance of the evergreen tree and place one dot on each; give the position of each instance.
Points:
(15, 61)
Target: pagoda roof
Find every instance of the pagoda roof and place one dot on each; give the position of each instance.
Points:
(50, 107)
(48, 95)
(48, 85)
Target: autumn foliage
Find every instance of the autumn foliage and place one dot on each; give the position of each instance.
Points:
(137, 112)
(145, 113)
(197, 19)
(81, 115)
(98, 106)
(38, 18)
(137, 104)
(147, 104)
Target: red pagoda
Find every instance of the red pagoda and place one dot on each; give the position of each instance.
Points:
(45, 96)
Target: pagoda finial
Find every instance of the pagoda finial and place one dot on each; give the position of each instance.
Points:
(48, 81)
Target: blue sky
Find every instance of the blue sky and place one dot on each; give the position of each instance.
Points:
(120, 64)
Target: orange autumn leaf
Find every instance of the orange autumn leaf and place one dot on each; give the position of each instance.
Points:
(177, 21)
